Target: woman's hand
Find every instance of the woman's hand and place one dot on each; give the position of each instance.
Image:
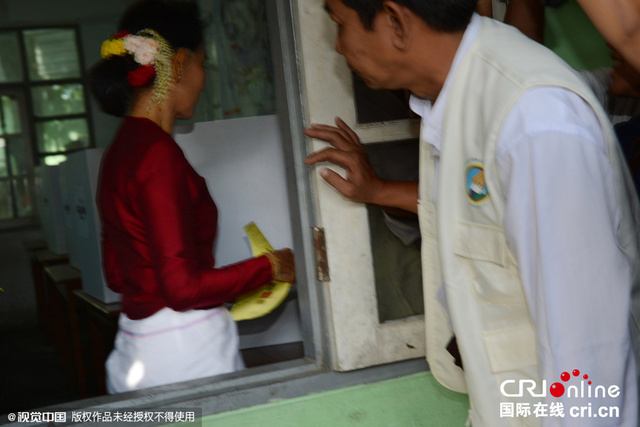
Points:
(282, 265)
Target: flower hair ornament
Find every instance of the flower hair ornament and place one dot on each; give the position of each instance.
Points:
(152, 54)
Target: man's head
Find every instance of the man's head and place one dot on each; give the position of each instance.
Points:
(441, 15)
(400, 44)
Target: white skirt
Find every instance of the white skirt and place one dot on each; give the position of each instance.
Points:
(172, 346)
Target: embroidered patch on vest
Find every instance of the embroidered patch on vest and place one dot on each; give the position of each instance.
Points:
(476, 186)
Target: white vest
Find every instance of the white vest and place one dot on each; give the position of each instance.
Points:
(464, 243)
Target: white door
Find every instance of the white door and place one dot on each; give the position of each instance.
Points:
(359, 336)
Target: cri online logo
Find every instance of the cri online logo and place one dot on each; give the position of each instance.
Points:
(557, 389)
(513, 388)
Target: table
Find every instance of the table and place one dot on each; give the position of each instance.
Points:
(39, 260)
(100, 320)
(60, 280)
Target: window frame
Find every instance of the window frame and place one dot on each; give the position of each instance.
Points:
(26, 84)
(351, 297)
(16, 221)
(30, 120)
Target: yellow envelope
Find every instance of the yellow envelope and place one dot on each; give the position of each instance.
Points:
(266, 298)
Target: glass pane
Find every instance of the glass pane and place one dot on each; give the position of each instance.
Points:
(52, 54)
(10, 58)
(58, 100)
(62, 135)
(395, 241)
(10, 116)
(54, 160)
(4, 169)
(379, 105)
(397, 270)
(24, 200)
(241, 56)
(6, 205)
(17, 155)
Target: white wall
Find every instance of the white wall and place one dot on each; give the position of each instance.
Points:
(242, 161)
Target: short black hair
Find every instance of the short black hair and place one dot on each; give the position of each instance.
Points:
(177, 21)
(441, 15)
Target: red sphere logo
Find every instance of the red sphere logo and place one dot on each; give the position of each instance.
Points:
(557, 389)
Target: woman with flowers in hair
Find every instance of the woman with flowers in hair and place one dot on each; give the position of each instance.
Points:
(158, 218)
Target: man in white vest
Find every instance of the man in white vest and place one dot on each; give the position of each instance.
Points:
(528, 218)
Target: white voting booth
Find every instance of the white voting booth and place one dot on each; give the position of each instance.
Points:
(242, 161)
(79, 175)
(68, 213)
(49, 202)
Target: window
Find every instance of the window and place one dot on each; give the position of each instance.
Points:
(43, 111)
(240, 78)
(10, 58)
(17, 205)
(354, 297)
(54, 80)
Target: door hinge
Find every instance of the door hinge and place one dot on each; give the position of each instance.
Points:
(322, 264)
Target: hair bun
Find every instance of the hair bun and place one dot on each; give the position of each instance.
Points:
(108, 84)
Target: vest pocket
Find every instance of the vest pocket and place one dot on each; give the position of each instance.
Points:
(510, 349)
(481, 242)
(493, 270)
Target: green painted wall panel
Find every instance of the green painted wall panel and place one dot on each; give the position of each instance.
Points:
(415, 400)
(570, 34)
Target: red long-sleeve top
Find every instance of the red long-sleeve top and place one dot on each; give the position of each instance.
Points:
(158, 227)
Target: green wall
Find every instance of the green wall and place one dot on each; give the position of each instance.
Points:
(570, 34)
(415, 400)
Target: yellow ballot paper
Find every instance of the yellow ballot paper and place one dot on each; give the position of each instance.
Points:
(263, 300)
